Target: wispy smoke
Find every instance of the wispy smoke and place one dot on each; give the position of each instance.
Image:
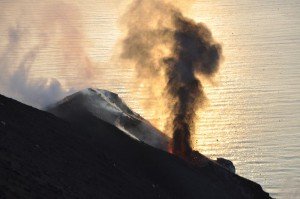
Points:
(30, 35)
(17, 83)
(161, 41)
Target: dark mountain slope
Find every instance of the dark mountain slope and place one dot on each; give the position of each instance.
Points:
(107, 106)
(42, 156)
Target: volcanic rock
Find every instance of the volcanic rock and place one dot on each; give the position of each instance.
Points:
(42, 156)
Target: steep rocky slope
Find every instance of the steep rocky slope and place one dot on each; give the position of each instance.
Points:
(109, 107)
(42, 156)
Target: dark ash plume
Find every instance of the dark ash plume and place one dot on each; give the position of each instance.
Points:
(161, 40)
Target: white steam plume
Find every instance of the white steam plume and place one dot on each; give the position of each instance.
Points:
(29, 35)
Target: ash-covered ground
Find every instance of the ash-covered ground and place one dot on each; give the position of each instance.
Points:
(82, 156)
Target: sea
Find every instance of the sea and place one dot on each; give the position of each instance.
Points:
(253, 114)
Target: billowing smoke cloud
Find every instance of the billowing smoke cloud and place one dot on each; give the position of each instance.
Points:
(161, 42)
(33, 34)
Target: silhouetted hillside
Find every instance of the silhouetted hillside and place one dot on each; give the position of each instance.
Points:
(42, 156)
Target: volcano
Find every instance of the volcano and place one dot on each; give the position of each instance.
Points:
(102, 105)
(90, 154)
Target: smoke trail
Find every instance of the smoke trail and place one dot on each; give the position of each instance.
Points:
(160, 40)
(51, 25)
(40, 92)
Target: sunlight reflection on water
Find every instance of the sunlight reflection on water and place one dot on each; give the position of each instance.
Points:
(254, 113)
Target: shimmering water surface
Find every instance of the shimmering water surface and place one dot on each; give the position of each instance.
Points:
(254, 114)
